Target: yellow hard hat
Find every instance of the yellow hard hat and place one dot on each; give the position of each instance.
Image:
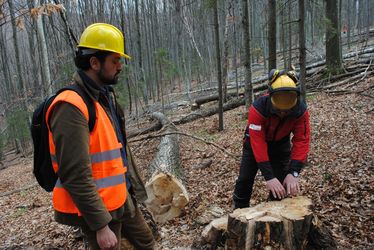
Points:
(102, 36)
(284, 92)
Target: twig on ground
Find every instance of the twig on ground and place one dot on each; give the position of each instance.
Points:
(192, 136)
(18, 190)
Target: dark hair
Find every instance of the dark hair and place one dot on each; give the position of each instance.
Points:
(83, 61)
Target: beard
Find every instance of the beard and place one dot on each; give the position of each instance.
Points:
(108, 80)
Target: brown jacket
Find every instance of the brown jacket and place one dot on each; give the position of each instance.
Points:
(71, 136)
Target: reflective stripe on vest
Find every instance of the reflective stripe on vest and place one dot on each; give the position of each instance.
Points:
(98, 157)
(108, 170)
(103, 182)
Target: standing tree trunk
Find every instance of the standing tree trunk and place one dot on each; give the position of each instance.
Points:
(21, 85)
(226, 51)
(272, 33)
(349, 17)
(289, 35)
(283, 41)
(127, 78)
(333, 57)
(140, 59)
(247, 55)
(5, 66)
(44, 52)
(302, 50)
(219, 72)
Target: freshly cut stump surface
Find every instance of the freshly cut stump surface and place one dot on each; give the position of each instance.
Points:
(281, 224)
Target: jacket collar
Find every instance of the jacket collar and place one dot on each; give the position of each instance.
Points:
(93, 90)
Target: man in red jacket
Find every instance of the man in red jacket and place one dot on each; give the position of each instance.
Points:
(268, 144)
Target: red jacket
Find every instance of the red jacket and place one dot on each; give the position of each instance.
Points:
(265, 126)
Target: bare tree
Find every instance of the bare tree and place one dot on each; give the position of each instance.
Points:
(44, 52)
(302, 50)
(219, 71)
(21, 85)
(247, 55)
(272, 32)
(333, 46)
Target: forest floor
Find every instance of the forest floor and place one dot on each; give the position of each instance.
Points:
(338, 178)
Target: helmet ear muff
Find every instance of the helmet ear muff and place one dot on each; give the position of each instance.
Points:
(294, 76)
(273, 76)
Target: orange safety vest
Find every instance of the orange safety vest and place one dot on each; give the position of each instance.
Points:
(107, 166)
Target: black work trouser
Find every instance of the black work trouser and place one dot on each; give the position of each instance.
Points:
(279, 156)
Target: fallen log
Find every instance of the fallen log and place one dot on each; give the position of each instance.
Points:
(136, 132)
(285, 224)
(205, 99)
(234, 103)
(167, 195)
(340, 76)
(348, 80)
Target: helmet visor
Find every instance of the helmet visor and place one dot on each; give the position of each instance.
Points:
(284, 100)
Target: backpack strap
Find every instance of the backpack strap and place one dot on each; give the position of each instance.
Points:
(87, 100)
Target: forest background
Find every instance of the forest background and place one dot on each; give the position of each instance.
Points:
(182, 50)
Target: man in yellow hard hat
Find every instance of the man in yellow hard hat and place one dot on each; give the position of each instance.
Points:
(272, 119)
(98, 185)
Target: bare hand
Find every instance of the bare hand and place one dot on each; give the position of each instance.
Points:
(291, 184)
(276, 188)
(106, 238)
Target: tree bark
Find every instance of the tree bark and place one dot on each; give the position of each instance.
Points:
(302, 50)
(167, 196)
(272, 32)
(247, 55)
(333, 46)
(205, 99)
(44, 52)
(234, 103)
(285, 224)
(21, 84)
(219, 71)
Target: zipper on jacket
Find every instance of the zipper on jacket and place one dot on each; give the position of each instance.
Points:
(281, 121)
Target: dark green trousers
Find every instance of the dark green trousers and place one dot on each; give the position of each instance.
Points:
(134, 229)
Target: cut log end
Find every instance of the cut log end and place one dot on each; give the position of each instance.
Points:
(167, 197)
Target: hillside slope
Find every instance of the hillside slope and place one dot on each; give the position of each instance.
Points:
(338, 178)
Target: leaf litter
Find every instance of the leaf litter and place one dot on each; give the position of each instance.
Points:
(338, 178)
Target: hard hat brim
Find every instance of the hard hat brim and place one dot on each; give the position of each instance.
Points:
(98, 48)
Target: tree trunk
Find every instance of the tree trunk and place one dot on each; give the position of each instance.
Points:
(272, 32)
(205, 99)
(21, 84)
(44, 52)
(247, 55)
(234, 103)
(285, 224)
(226, 51)
(333, 57)
(167, 196)
(302, 50)
(289, 35)
(219, 71)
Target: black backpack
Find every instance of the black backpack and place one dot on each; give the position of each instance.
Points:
(43, 169)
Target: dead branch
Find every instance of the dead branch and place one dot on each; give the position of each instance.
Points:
(18, 190)
(188, 135)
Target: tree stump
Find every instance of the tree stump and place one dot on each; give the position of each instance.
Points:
(281, 224)
(167, 195)
(213, 233)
